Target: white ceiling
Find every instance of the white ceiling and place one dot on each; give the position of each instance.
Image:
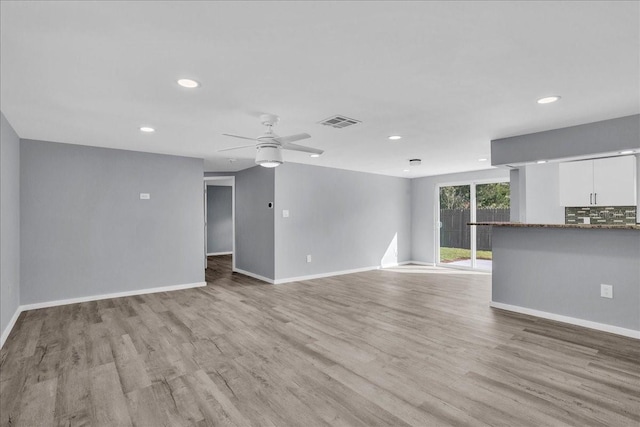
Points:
(447, 76)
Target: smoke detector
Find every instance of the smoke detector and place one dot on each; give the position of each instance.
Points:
(415, 162)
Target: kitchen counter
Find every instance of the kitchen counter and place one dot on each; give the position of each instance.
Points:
(584, 226)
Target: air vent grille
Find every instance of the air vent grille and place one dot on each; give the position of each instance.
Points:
(339, 122)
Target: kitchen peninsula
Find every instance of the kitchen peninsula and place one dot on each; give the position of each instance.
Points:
(556, 271)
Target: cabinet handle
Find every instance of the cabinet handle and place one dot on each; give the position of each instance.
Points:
(595, 198)
(590, 198)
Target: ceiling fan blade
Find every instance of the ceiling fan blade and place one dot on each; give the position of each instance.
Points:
(238, 148)
(291, 138)
(238, 136)
(296, 147)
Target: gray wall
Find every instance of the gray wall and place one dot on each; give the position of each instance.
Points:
(424, 205)
(219, 219)
(254, 221)
(592, 138)
(560, 271)
(86, 232)
(9, 222)
(345, 220)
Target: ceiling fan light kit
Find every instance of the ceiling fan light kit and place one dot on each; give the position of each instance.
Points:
(269, 146)
(269, 155)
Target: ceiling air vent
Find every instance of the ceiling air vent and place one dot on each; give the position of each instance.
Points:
(339, 122)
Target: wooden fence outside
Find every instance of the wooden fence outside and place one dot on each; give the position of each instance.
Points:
(455, 233)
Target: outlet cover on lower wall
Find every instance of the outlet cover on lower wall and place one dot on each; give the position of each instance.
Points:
(606, 291)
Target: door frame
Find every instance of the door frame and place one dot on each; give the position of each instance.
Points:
(233, 214)
(472, 218)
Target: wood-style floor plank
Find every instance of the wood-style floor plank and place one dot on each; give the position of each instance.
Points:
(409, 346)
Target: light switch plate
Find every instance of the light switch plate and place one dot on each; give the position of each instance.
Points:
(606, 291)
(285, 213)
(145, 196)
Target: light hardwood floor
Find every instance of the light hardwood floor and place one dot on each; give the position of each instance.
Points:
(390, 348)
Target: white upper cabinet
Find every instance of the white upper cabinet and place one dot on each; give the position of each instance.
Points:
(600, 182)
(614, 182)
(576, 183)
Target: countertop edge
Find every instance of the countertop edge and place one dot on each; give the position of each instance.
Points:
(580, 226)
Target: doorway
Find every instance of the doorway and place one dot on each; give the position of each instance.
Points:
(460, 245)
(219, 221)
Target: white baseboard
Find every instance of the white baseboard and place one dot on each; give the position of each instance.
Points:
(338, 273)
(109, 296)
(631, 333)
(12, 323)
(323, 275)
(255, 276)
(430, 264)
(219, 253)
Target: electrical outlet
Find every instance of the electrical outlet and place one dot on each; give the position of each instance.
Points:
(308, 258)
(145, 196)
(606, 291)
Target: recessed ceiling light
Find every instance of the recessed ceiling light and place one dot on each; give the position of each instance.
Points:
(625, 152)
(395, 137)
(188, 83)
(147, 129)
(314, 155)
(541, 162)
(483, 159)
(406, 170)
(548, 99)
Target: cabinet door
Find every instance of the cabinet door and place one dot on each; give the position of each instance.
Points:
(576, 183)
(614, 181)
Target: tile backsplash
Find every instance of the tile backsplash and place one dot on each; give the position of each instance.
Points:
(601, 215)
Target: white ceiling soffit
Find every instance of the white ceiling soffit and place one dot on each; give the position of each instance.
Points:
(446, 76)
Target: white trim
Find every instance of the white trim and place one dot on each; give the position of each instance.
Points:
(219, 253)
(430, 264)
(255, 276)
(12, 323)
(338, 273)
(631, 333)
(319, 275)
(108, 296)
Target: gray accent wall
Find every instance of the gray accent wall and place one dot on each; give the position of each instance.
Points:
(85, 231)
(560, 271)
(219, 219)
(254, 251)
(424, 206)
(593, 138)
(9, 223)
(345, 220)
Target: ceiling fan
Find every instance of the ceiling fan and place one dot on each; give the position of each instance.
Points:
(270, 145)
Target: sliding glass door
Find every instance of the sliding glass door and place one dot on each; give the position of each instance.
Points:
(455, 213)
(461, 245)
